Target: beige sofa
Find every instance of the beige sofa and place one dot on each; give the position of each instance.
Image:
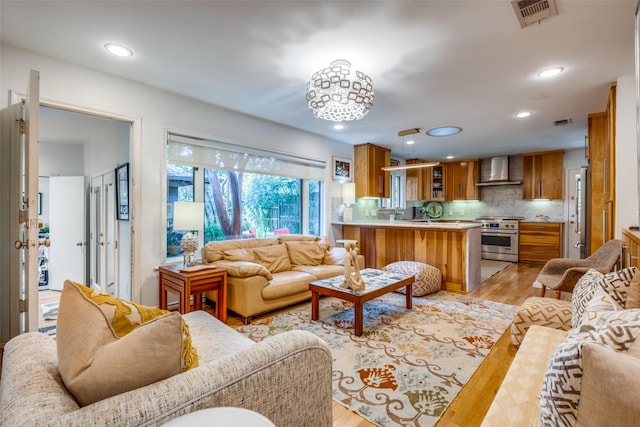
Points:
(271, 273)
(610, 375)
(271, 377)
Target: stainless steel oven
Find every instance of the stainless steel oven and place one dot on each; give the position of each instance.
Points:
(499, 238)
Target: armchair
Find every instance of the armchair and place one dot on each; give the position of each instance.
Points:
(562, 274)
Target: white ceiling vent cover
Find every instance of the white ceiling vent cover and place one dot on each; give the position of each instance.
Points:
(531, 11)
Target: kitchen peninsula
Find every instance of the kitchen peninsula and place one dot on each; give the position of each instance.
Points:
(453, 247)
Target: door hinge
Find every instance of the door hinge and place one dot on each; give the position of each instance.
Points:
(22, 306)
(22, 126)
(23, 217)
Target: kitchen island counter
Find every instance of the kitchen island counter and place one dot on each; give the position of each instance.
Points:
(412, 223)
(452, 247)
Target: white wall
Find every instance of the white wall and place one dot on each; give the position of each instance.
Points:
(626, 155)
(59, 159)
(153, 112)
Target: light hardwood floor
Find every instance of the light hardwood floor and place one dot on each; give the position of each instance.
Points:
(510, 286)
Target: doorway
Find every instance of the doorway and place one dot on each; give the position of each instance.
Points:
(89, 147)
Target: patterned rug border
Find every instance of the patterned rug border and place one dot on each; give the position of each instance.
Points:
(426, 353)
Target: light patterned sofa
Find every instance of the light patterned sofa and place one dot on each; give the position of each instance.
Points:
(578, 362)
(271, 377)
(271, 273)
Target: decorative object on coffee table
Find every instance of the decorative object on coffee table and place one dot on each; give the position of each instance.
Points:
(352, 278)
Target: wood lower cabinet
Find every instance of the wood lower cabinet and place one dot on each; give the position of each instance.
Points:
(455, 252)
(543, 175)
(540, 241)
(370, 179)
(631, 248)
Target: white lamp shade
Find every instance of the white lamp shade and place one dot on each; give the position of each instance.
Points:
(188, 216)
(349, 193)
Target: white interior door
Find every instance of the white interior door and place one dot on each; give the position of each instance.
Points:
(24, 210)
(103, 234)
(67, 230)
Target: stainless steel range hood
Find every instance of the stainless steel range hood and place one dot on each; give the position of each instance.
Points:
(499, 173)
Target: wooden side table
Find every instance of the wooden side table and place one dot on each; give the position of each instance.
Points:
(194, 280)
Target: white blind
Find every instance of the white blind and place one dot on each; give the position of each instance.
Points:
(191, 151)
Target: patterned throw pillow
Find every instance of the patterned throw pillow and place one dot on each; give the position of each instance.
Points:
(107, 346)
(617, 284)
(560, 394)
(600, 302)
(582, 293)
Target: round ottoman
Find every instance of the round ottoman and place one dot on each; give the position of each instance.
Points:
(428, 279)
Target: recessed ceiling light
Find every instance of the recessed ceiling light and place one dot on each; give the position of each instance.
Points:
(410, 141)
(338, 126)
(118, 50)
(449, 157)
(523, 114)
(444, 131)
(550, 72)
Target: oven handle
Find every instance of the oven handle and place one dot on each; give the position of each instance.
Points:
(506, 233)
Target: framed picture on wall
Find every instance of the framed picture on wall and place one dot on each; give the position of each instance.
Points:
(342, 169)
(122, 193)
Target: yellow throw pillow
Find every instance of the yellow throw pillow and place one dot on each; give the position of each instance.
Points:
(107, 346)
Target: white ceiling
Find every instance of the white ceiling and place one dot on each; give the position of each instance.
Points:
(464, 63)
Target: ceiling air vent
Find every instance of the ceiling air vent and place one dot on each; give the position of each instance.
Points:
(562, 122)
(531, 11)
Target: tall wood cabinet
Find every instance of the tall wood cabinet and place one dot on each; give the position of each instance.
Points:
(631, 248)
(601, 155)
(416, 188)
(370, 179)
(461, 179)
(542, 175)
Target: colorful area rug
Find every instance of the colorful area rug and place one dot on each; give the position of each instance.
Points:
(410, 363)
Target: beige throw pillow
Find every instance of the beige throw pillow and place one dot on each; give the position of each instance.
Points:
(335, 256)
(112, 346)
(240, 255)
(305, 253)
(244, 269)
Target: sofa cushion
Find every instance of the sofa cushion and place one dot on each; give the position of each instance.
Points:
(616, 372)
(244, 269)
(615, 285)
(305, 253)
(582, 293)
(334, 256)
(214, 250)
(107, 346)
(240, 254)
(321, 271)
(274, 258)
(287, 283)
(633, 294)
(561, 388)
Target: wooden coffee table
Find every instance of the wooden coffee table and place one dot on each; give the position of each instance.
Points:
(378, 283)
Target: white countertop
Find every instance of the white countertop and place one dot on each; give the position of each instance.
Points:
(410, 224)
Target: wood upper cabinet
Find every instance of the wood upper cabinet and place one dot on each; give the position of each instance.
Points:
(434, 183)
(542, 175)
(415, 184)
(601, 155)
(461, 179)
(370, 179)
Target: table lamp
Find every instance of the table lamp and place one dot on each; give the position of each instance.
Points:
(188, 216)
